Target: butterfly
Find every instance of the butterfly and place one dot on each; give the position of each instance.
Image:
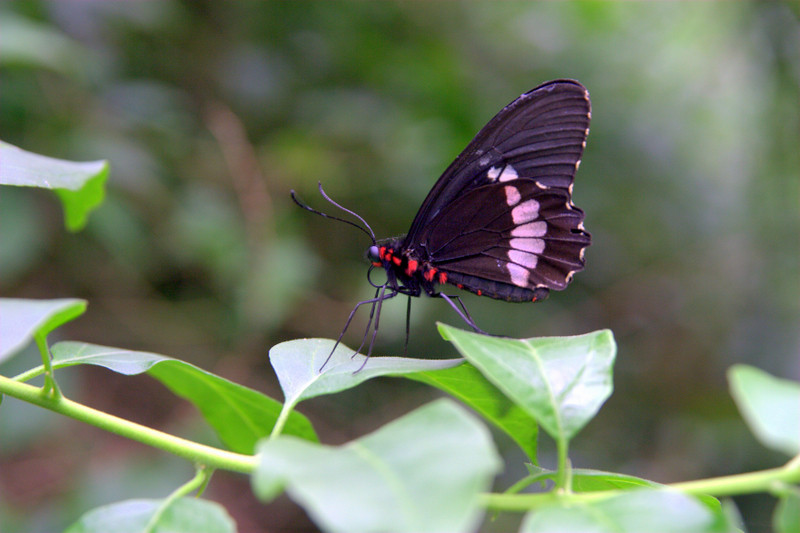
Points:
(500, 221)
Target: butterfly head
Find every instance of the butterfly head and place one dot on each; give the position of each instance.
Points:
(374, 255)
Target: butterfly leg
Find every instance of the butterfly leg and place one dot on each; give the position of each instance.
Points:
(462, 311)
(373, 302)
(408, 326)
(369, 322)
(377, 310)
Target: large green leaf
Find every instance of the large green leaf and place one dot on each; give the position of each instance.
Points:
(471, 387)
(560, 381)
(240, 415)
(298, 365)
(422, 472)
(769, 405)
(21, 320)
(80, 186)
(665, 511)
(186, 515)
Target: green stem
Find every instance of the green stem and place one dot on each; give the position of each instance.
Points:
(50, 385)
(200, 479)
(198, 453)
(761, 481)
(563, 473)
(523, 503)
(748, 483)
(286, 410)
(522, 484)
(29, 374)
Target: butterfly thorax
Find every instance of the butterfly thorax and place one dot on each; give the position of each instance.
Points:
(407, 270)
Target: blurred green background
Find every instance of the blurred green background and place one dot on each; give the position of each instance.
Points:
(210, 112)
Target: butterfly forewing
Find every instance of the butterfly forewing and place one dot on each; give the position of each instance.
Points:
(541, 135)
(500, 221)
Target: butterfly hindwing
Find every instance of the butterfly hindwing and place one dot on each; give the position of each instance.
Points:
(534, 242)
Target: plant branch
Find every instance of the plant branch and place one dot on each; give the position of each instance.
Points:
(286, 410)
(564, 473)
(748, 483)
(198, 453)
(50, 386)
(200, 479)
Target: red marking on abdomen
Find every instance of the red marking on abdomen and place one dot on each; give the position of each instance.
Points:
(428, 275)
(412, 267)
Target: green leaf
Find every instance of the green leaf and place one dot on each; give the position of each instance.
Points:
(664, 511)
(787, 513)
(769, 405)
(469, 386)
(80, 186)
(189, 515)
(21, 319)
(297, 364)
(240, 415)
(588, 480)
(422, 472)
(560, 381)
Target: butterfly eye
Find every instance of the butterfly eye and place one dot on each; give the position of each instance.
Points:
(373, 254)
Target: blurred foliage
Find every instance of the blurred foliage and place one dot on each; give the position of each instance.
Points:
(210, 112)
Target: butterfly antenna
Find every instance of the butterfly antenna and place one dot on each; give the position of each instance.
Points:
(307, 207)
(324, 195)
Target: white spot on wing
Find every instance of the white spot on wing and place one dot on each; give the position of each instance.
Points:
(532, 245)
(525, 212)
(523, 258)
(519, 275)
(532, 229)
(512, 196)
(508, 174)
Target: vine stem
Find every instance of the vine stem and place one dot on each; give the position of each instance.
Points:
(50, 386)
(286, 410)
(564, 473)
(208, 456)
(760, 481)
(200, 479)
